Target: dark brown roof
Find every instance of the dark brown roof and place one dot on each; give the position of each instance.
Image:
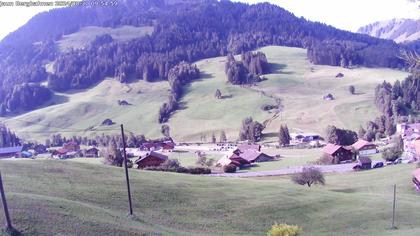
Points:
(361, 143)
(250, 155)
(153, 154)
(331, 148)
(244, 147)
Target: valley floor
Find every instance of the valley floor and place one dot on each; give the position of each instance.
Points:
(69, 198)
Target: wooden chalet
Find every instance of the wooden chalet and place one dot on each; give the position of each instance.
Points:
(365, 148)
(338, 153)
(225, 161)
(255, 156)
(151, 159)
(242, 161)
(91, 152)
(10, 151)
(365, 162)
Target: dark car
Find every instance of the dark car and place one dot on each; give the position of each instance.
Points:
(378, 165)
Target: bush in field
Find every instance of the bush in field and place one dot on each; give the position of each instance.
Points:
(324, 160)
(170, 164)
(309, 176)
(391, 154)
(284, 230)
(229, 169)
(352, 89)
(199, 171)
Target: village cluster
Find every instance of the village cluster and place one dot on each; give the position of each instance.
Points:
(241, 155)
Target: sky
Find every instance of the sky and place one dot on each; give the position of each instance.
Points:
(343, 14)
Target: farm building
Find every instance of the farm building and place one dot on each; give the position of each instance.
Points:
(416, 179)
(225, 161)
(91, 152)
(10, 151)
(242, 161)
(365, 162)
(364, 148)
(338, 153)
(255, 156)
(151, 159)
(305, 137)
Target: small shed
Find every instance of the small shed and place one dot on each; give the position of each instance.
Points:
(365, 162)
(339, 75)
(328, 97)
(151, 159)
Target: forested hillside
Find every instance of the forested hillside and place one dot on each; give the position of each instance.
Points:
(185, 31)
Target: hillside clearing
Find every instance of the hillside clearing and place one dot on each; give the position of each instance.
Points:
(47, 196)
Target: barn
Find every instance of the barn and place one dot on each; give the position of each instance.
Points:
(10, 151)
(255, 156)
(151, 159)
(338, 153)
(365, 148)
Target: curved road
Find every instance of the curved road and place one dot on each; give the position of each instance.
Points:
(341, 168)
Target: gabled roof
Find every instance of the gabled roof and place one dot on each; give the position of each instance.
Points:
(361, 143)
(7, 150)
(239, 159)
(224, 161)
(153, 154)
(331, 148)
(250, 155)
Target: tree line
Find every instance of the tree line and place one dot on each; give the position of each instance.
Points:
(248, 70)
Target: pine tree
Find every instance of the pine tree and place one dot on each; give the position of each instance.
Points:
(284, 136)
(223, 136)
(213, 138)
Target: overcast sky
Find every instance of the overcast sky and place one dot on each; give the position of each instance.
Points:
(343, 14)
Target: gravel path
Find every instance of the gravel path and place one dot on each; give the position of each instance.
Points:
(341, 168)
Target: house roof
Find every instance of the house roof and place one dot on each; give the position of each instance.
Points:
(7, 150)
(153, 154)
(224, 161)
(250, 155)
(361, 143)
(331, 148)
(244, 147)
(365, 160)
(239, 159)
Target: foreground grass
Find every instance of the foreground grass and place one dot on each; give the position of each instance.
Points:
(48, 197)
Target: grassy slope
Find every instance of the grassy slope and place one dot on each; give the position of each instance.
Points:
(64, 197)
(86, 35)
(82, 109)
(292, 80)
(202, 114)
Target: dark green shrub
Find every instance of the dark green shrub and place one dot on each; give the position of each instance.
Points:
(229, 168)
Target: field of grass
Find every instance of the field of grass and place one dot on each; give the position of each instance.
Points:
(49, 197)
(86, 35)
(298, 83)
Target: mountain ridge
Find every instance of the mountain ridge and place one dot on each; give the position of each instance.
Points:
(399, 30)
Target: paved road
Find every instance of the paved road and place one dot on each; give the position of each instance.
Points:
(341, 168)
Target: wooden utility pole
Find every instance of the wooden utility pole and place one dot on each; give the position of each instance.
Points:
(393, 208)
(126, 171)
(5, 208)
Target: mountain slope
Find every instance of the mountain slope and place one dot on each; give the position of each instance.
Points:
(399, 30)
(299, 84)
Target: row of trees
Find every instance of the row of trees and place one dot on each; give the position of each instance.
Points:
(340, 136)
(251, 130)
(8, 138)
(178, 76)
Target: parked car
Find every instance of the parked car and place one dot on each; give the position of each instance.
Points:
(378, 165)
(398, 161)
